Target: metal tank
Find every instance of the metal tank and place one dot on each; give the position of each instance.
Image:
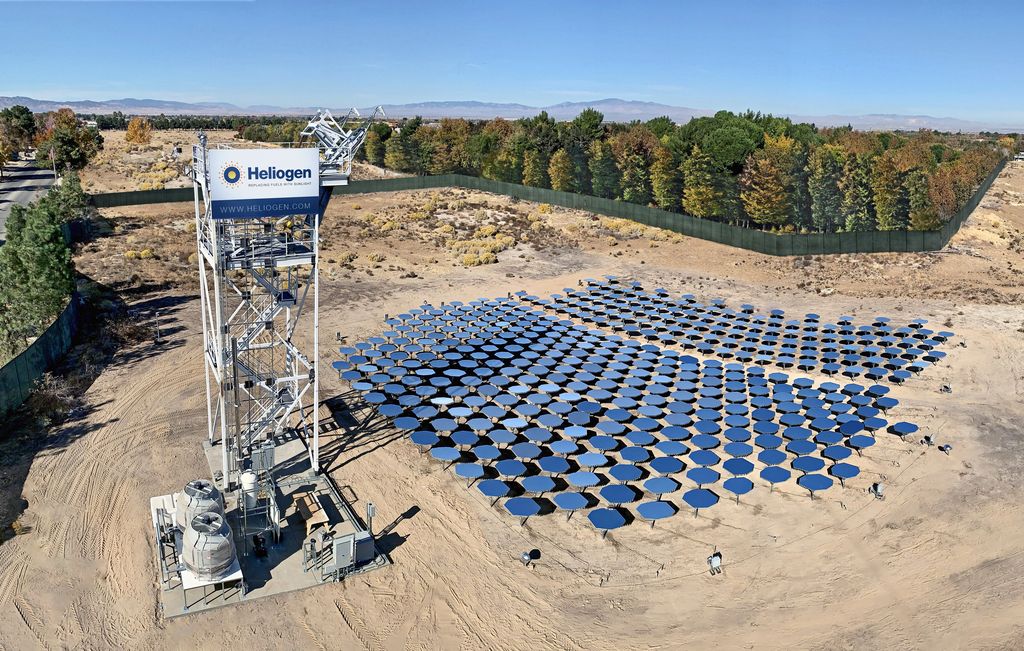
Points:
(208, 549)
(198, 496)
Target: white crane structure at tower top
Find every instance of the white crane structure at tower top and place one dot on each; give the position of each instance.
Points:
(338, 144)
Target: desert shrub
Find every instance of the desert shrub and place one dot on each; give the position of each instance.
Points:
(54, 396)
(475, 260)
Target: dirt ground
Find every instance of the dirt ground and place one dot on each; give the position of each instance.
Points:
(938, 564)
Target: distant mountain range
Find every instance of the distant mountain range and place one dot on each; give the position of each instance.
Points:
(614, 110)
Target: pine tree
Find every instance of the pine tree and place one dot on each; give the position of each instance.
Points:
(826, 174)
(667, 180)
(561, 172)
(702, 190)
(858, 213)
(375, 148)
(892, 205)
(535, 169)
(636, 184)
(604, 173)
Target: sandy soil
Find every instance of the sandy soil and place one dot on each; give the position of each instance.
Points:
(938, 564)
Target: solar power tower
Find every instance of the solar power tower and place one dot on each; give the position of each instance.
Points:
(259, 288)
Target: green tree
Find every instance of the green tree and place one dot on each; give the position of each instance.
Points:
(667, 180)
(604, 173)
(703, 194)
(535, 169)
(577, 137)
(561, 172)
(68, 199)
(923, 216)
(824, 184)
(68, 143)
(892, 204)
(18, 127)
(636, 182)
(401, 152)
(374, 147)
(660, 126)
(858, 212)
(36, 274)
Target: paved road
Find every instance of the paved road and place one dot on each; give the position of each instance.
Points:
(22, 183)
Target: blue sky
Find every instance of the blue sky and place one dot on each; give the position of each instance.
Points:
(954, 58)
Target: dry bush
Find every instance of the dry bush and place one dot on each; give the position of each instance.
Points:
(475, 260)
(54, 396)
(495, 244)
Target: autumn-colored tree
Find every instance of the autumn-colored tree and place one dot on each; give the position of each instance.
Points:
(604, 173)
(764, 191)
(140, 131)
(770, 182)
(449, 147)
(826, 165)
(667, 180)
(561, 172)
(858, 213)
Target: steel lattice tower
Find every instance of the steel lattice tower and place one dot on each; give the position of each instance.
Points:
(260, 297)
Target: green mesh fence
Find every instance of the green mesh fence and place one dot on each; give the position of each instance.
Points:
(705, 229)
(18, 377)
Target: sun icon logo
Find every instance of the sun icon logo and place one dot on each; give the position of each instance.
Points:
(231, 174)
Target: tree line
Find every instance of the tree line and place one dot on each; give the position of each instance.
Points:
(749, 169)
